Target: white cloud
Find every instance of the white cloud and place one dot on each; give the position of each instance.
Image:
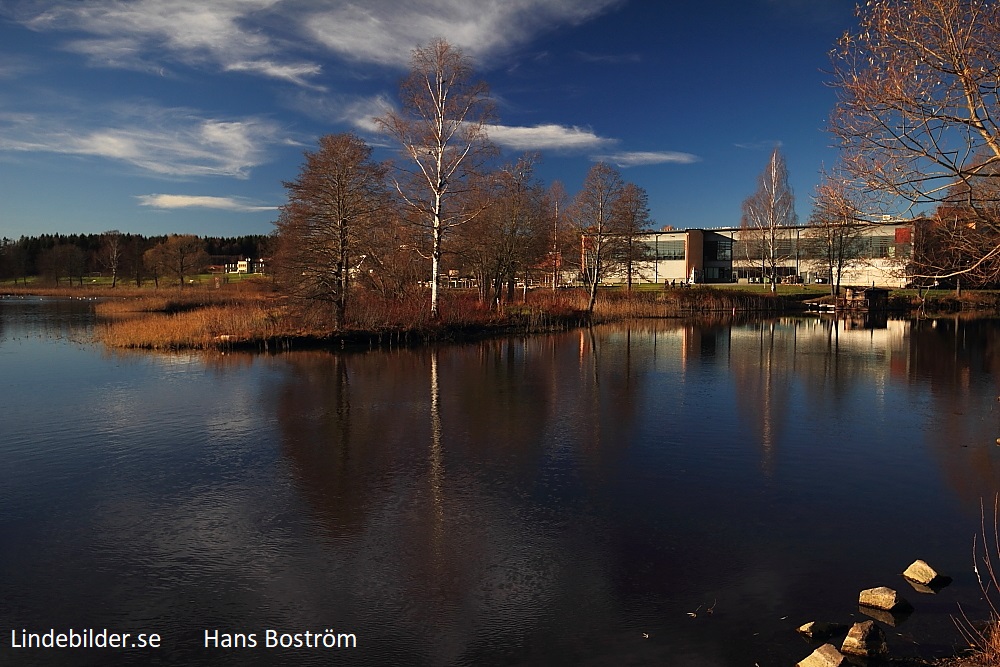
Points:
(626, 159)
(268, 36)
(164, 141)
(232, 34)
(236, 204)
(356, 110)
(297, 73)
(546, 137)
(386, 31)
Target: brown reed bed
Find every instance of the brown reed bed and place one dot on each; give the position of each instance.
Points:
(206, 326)
(688, 301)
(206, 320)
(254, 316)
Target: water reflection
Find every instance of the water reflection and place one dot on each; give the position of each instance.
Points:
(520, 482)
(569, 498)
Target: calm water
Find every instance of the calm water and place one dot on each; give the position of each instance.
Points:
(564, 499)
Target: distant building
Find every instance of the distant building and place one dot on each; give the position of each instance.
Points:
(883, 252)
(245, 266)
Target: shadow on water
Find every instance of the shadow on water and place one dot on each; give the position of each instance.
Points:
(657, 492)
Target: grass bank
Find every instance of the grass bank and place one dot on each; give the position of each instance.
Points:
(250, 314)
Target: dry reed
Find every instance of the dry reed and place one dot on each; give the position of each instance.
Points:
(984, 638)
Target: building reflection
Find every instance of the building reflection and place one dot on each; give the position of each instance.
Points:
(956, 360)
(495, 489)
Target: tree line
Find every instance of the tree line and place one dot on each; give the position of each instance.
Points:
(124, 257)
(446, 209)
(916, 118)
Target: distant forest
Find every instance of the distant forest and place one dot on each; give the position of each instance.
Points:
(72, 256)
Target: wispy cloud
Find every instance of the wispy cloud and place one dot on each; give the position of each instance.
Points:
(146, 35)
(386, 31)
(626, 159)
(164, 141)
(235, 204)
(547, 137)
(298, 73)
(12, 67)
(268, 37)
(356, 110)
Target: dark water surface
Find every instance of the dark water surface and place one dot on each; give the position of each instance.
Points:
(563, 499)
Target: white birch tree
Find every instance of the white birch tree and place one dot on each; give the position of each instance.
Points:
(441, 127)
(766, 215)
(593, 212)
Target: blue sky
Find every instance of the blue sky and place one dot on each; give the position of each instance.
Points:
(184, 116)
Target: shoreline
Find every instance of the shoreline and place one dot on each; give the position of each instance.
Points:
(255, 318)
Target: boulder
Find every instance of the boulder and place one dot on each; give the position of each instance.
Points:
(865, 639)
(883, 597)
(826, 655)
(923, 574)
(821, 629)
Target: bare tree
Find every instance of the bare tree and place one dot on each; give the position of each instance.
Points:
(111, 253)
(835, 238)
(442, 130)
(918, 111)
(955, 248)
(631, 214)
(557, 201)
(511, 235)
(766, 215)
(593, 213)
(323, 229)
(135, 258)
(181, 255)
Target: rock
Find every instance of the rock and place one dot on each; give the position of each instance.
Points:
(923, 574)
(865, 639)
(891, 618)
(920, 572)
(883, 598)
(821, 629)
(826, 655)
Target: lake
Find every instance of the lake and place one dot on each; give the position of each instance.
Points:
(658, 492)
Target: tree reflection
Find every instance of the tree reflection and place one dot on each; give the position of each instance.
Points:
(958, 361)
(762, 360)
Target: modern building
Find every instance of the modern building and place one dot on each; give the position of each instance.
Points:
(879, 255)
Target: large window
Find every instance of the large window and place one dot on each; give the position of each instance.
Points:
(719, 250)
(663, 249)
(718, 274)
(882, 246)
